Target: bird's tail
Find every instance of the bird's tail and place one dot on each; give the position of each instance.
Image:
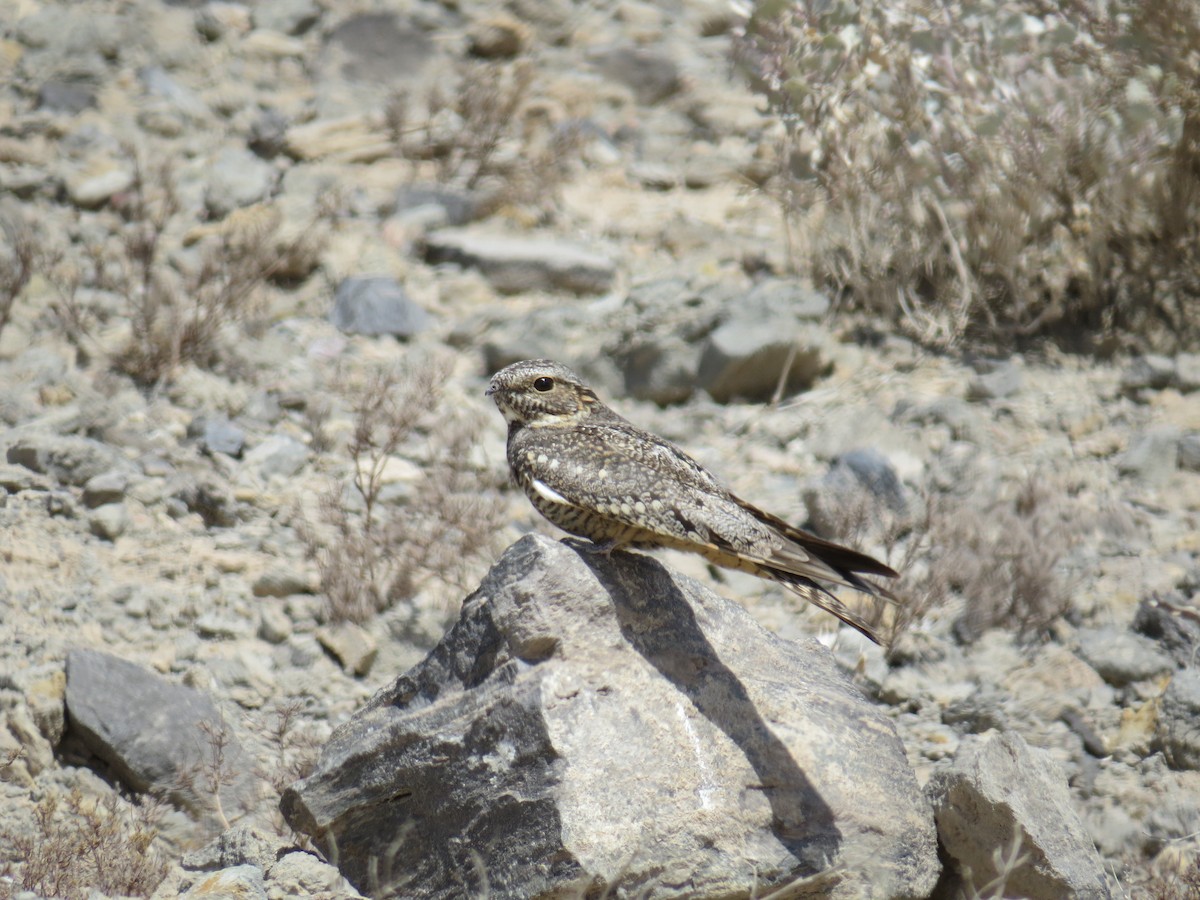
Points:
(823, 599)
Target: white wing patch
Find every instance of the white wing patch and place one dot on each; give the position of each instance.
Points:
(546, 492)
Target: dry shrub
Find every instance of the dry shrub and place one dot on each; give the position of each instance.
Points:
(180, 296)
(988, 171)
(19, 256)
(79, 845)
(372, 554)
(293, 750)
(1173, 882)
(494, 132)
(997, 558)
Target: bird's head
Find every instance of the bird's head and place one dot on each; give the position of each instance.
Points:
(541, 393)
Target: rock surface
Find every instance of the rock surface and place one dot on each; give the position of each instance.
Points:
(156, 736)
(756, 761)
(1001, 793)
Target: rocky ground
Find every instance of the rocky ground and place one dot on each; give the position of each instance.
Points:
(252, 228)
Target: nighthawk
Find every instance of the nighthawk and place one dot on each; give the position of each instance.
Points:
(598, 476)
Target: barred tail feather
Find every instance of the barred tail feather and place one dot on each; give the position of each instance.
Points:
(823, 599)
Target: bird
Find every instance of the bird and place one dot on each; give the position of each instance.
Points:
(597, 476)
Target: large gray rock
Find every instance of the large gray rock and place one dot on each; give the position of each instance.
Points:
(765, 337)
(1001, 795)
(598, 725)
(377, 305)
(69, 459)
(155, 735)
(1179, 720)
(237, 178)
(1121, 657)
(516, 264)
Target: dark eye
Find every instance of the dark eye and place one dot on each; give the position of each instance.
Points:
(543, 384)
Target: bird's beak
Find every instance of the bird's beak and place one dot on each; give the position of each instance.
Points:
(490, 390)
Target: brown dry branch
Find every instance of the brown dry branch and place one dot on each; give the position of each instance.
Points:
(18, 262)
(993, 171)
(1000, 557)
(81, 845)
(494, 131)
(372, 554)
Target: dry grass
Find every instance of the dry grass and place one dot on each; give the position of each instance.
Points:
(991, 171)
(996, 558)
(18, 261)
(493, 135)
(81, 844)
(372, 555)
(185, 296)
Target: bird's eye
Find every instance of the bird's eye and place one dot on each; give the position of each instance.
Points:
(543, 384)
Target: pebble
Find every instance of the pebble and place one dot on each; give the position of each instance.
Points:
(377, 305)
(523, 264)
(95, 185)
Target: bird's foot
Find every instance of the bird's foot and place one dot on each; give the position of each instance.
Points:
(602, 548)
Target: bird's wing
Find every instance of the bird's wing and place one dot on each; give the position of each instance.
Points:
(642, 481)
(633, 469)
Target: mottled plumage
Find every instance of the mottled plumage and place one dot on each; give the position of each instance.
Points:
(596, 475)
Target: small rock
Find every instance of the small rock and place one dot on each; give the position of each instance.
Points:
(268, 133)
(274, 626)
(499, 36)
(1001, 381)
(66, 96)
(241, 845)
(1152, 455)
(234, 883)
(874, 471)
(110, 521)
(660, 368)
(649, 74)
(436, 205)
(291, 17)
(107, 487)
(68, 459)
(157, 82)
(301, 874)
(1189, 452)
(786, 294)
(17, 478)
(1151, 371)
(351, 645)
(377, 305)
(1187, 372)
(1000, 795)
(1121, 657)
(654, 176)
(92, 186)
(1172, 625)
(218, 435)
(283, 582)
(1179, 720)
(378, 48)
(220, 625)
(277, 455)
(45, 692)
(533, 335)
(518, 264)
(237, 178)
(215, 19)
(351, 139)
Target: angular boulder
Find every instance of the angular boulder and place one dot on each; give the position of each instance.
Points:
(1007, 825)
(602, 726)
